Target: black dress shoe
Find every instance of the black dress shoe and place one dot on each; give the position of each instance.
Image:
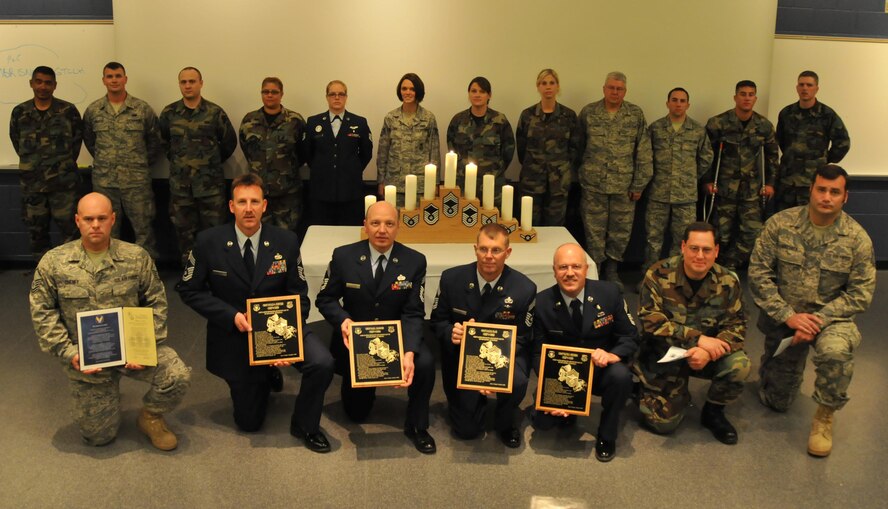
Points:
(605, 450)
(316, 442)
(421, 439)
(275, 379)
(713, 418)
(510, 437)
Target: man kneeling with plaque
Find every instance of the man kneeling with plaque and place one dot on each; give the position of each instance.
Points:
(97, 272)
(231, 263)
(379, 280)
(486, 291)
(580, 312)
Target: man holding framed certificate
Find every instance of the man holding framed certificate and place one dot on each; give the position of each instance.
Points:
(490, 292)
(93, 273)
(379, 280)
(248, 260)
(580, 312)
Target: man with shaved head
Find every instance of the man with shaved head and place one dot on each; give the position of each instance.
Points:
(381, 279)
(98, 272)
(583, 313)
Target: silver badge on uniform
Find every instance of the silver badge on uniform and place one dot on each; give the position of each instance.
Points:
(229, 243)
(363, 258)
(266, 243)
(318, 128)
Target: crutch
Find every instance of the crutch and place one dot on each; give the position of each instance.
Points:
(707, 211)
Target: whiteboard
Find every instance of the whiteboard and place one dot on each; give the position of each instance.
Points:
(77, 52)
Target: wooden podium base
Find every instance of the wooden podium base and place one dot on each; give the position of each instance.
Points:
(451, 219)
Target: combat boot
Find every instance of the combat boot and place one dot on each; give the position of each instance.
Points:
(610, 273)
(820, 439)
(713, 418)
(154, 427)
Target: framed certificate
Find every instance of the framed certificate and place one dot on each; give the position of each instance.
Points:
(487, 357)
(565, 381)
(116, 336)
(375, 354)
(277, 330)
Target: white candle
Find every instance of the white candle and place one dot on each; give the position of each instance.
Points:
(471, 180)
(368, 200)
(506, 203)
(431, 180)
(391, 195)
(527, 213)
(410, 192)
(450, 170)
(487, 197)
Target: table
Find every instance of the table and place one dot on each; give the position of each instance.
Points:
(533, 260)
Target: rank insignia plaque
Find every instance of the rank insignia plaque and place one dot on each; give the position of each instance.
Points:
(277, 330)
(486, 357)
(375, 354)
(565, 381)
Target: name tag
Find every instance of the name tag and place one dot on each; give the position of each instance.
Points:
(460, 311)
(356, 286)
(220, 273)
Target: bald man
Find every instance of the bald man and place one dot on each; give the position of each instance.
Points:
(98, 272)
(381, 279)
(583, 313)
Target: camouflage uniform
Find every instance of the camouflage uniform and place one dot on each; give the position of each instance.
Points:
(406, 145)
(809, 138)
(673, 315)
(47, 143)
(490, 145)
(739, 200)
(67, 282)
(616, 160)
(273, 152)
(124, 144)
(680, 159)
(548, 147)
(196, 142)
(832, 275)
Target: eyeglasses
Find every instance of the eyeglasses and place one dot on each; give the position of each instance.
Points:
(266, 91)
(697, 249)
(496, 251)
(337, 94)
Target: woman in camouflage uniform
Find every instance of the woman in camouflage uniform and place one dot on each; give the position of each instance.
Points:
(482, 136)
(547, 139)
(409, 139)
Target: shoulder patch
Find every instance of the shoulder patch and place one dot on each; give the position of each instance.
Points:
(189, 267)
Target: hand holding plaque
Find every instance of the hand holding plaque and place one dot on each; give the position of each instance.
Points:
(375, 354)
(277, 330)
(486, 357)
(115, 337)
(565, 382)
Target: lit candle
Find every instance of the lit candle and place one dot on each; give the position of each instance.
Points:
(506, 204)
(431, 180)
(410, 192)
(450, 170)
(391, 195)
(527, 213)
(471, 180)
(368, 200)
(487, 197)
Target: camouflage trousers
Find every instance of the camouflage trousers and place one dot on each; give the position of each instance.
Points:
(739, 225)
(137, 204)
(191, 214)
(656, 218)
(665, 399)
(607, 219)
(38, 208)
(285, 210)
(791, 196)
(781, 376)
(96, 398)
(549, 192)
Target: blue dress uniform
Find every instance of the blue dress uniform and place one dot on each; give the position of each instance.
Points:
(216, 285)
(399, 297)
(337, 167)
(459, 299)
(606, 325)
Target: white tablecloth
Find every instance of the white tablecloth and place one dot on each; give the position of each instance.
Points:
(532, 260)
